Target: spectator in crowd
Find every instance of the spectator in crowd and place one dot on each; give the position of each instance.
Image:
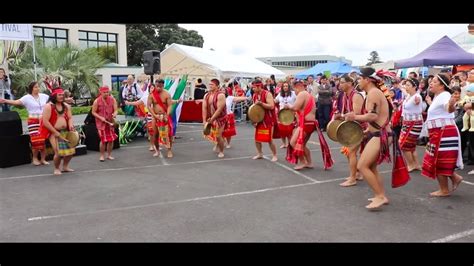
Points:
(325, 100)
(5, 91)
(397, 91)
(413, 75)
(131, 92)
(199, 90)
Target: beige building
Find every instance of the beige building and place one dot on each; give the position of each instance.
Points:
(109, 39)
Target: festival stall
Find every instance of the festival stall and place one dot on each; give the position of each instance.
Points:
(441, 53)
(195, 62)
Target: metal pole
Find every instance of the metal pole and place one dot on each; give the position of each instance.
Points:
(34, 58)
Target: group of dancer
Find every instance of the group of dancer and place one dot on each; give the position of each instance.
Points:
(373, 111)
(51, 118)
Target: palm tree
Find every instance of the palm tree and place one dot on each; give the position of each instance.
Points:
(74, 66)
(9, 50)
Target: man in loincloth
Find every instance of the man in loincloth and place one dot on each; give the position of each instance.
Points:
(305, 109)
(379, 135)
(57, 122)
(264, 129)
(160, 106)
(105, 110)
(352, 101)
(214, 112)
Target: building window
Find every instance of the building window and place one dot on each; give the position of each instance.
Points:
(51, 37)
(105, 43)
(117, 82)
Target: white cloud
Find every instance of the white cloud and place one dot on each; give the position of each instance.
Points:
(353, 41)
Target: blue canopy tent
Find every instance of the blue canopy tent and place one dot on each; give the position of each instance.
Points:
(336, 68)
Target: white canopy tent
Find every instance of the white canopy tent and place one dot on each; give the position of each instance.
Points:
(386, 65)
(197, 62)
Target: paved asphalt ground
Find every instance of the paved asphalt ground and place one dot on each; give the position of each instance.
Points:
(197, 197)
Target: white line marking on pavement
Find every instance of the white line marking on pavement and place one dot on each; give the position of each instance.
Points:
(132, 167)
(454, 236)
(146, 166)
(469, 183)
(162, 158)
(169, 202)
(178, 143)
(332, 180)
(291, 170)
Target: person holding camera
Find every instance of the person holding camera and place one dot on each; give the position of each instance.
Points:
(5, 92)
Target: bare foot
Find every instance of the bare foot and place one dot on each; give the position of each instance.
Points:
(36, 163)
(299, 167)
(258, 156)
(457, 179)
(228, 146)
(57, 172)
(348, 183)
(101, 159)
(386, 203)
(68, 170)
(359, 177)
(274, 159)
(44, 163)
(309, 166)
(156, 154)
(110, 158)
(220, 155)
(376, 203)
(170, 154)
(283, 146)
(439, 193)
(411, 169)
(151, 148)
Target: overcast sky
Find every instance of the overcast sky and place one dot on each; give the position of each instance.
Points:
(353, 41)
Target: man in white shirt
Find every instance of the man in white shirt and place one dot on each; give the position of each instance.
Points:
(131, 91)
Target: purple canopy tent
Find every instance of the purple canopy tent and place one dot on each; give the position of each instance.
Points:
(443, 52)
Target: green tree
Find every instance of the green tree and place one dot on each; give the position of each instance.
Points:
(107, 52)
(142, 37)
(74, 66)
(374, 58)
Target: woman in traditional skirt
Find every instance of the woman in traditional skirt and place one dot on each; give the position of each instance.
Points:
(229, 129)
(34, 103)
(442, 154)
(144, 101)
(285, 100)
(412, 109)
